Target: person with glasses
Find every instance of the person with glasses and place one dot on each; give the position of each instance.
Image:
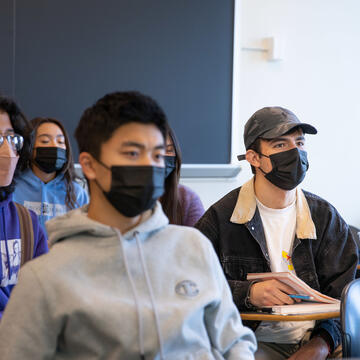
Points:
(21, 236)
(48, 186)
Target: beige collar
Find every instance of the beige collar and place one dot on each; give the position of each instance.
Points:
(245, 209)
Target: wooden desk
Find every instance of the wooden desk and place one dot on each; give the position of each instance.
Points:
(276, 317)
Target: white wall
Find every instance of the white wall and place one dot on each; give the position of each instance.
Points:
(318, 79)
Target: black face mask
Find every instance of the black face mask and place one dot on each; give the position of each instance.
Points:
(170, 165)
(50, 159)
(288, 168)
(134, 189)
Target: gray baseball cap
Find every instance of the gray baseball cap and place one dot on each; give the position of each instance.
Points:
(272, 122)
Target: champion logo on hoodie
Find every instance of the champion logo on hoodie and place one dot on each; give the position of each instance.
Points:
(187, 288)
(10, 261)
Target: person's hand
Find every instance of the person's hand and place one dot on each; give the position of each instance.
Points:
(315, 349)
(271, 292)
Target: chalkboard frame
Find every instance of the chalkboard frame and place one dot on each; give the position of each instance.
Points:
(204, 132)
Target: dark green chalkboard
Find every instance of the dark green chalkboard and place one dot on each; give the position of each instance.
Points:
(71, 52)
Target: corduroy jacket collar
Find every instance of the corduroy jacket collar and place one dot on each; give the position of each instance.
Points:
(245, 209)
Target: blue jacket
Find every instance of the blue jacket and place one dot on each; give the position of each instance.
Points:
(324, 251)
(10, 247)
(46, 200)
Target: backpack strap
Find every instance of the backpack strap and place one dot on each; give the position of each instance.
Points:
(26, 233)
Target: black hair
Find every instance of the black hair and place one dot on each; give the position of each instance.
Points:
(21, 127)
(170, 199)
(68, 169)
(98, 122)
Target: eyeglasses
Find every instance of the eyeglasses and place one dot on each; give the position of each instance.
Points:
(15, 141)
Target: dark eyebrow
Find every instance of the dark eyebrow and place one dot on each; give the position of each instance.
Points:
(140, 146)
(50, 136)
(277, 139)
(7, 132)
(160, 147)
(300, 137)
(133, 143)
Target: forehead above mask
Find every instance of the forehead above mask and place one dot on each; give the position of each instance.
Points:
(137, 134)
(49, 128)
(293, 133)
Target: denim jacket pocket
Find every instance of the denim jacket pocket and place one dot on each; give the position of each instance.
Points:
(237, 268)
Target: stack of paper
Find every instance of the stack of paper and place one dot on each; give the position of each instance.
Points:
(319, 302)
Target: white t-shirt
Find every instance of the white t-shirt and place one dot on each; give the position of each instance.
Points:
(279, 228)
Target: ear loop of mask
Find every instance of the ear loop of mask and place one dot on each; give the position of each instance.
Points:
(261, 154)
(106, 167)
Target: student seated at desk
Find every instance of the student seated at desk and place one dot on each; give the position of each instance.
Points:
(21, 236)
(120, 282)
(48, 184)
(180, 204)
(270, 224)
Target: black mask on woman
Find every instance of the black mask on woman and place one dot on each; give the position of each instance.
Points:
(50, 159)
(288, 168)
(134, 189)
(170, 165)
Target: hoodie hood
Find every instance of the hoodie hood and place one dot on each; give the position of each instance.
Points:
(76, 222)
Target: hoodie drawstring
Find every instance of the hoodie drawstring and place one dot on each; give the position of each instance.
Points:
(136, 297)
(6, 244)
(151, 292)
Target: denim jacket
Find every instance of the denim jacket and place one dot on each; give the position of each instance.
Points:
(324, 253)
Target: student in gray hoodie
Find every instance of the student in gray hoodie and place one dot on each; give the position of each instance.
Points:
(119, 281)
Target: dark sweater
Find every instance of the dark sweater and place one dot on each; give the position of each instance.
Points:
(191, 205)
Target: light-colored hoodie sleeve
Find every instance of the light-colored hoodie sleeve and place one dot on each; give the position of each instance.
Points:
(228, 335)
(19, 338)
